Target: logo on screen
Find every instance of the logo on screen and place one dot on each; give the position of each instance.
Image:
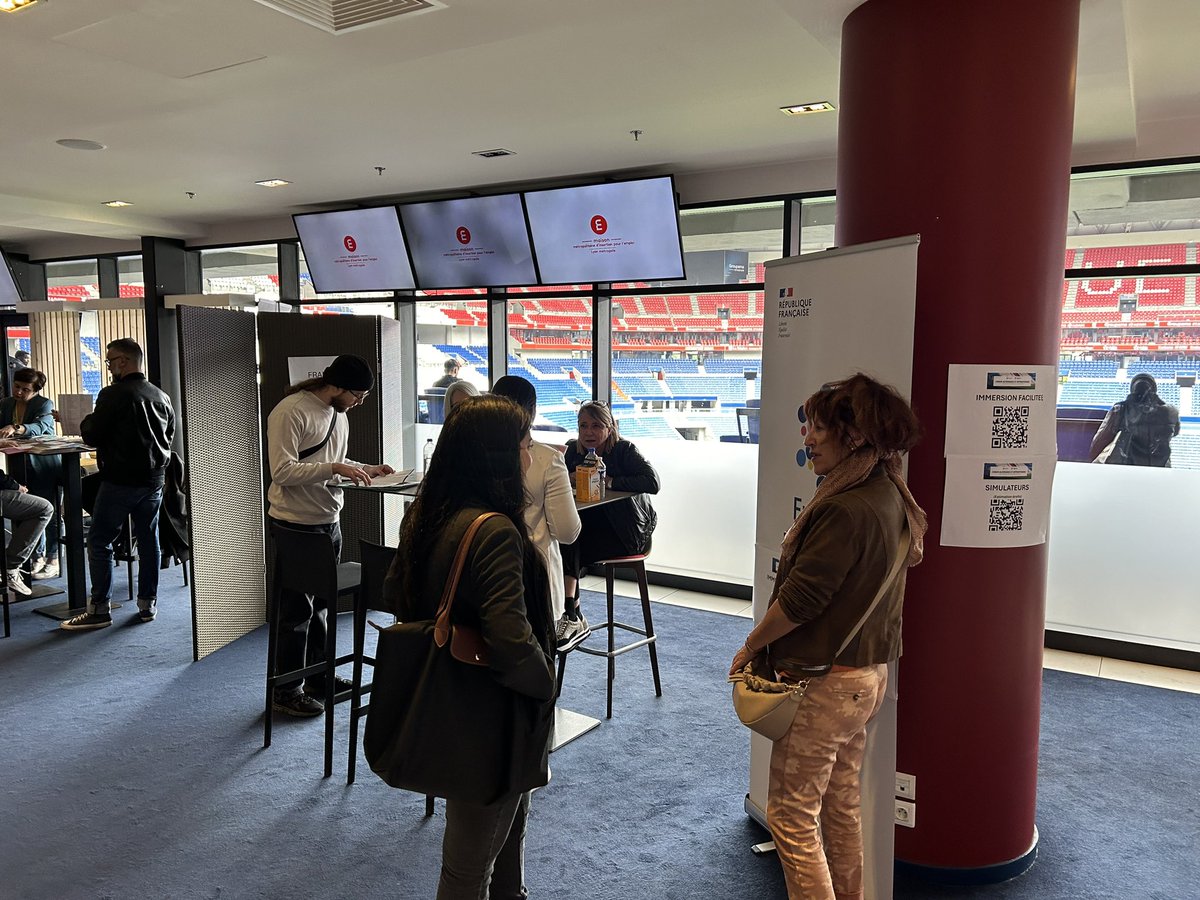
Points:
(463, 234)
(350, 243)
(599, 224)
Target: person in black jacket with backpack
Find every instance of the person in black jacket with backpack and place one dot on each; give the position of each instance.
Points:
(132, 428)
(621, 528)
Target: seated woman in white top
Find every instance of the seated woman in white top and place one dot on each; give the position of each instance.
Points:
(550, 516)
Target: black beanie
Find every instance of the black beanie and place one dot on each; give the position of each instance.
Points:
(349, 372)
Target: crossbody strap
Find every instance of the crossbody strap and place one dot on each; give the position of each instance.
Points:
(897, 565)
(305, 454)
(441, 627)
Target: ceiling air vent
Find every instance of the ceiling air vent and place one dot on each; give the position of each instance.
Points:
(488, 154)
(337, 16)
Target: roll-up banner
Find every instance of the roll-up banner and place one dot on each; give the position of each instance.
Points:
(827, 316)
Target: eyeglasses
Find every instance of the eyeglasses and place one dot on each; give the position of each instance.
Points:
(360, 396)
(109, 360)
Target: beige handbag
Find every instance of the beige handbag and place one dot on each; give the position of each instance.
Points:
(768, 706)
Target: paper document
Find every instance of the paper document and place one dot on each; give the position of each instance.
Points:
(71, 411)
(404, 476)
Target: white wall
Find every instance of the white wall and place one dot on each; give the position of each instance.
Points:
(1123, 554)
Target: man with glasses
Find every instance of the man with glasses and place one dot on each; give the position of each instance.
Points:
(306, 449)
(132, 429)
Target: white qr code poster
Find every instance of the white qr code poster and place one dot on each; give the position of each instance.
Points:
(993, 502)
(1008, 410)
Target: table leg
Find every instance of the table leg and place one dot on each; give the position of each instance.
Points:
(76, 558)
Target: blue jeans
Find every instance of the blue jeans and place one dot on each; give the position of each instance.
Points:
(114, 504)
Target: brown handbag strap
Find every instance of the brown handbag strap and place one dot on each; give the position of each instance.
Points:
(441, 627)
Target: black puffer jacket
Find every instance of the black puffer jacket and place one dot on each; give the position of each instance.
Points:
(132, 427)
(633, 519)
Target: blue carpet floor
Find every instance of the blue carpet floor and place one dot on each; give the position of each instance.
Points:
(131, 772)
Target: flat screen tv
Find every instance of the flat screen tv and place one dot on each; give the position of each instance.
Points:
(619, 231)
(10, 293)
(471, 242)
(355, 250)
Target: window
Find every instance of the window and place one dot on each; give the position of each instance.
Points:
(129, 277)
(242, 270)
(550, 343)
(73, 280)
(452, 345)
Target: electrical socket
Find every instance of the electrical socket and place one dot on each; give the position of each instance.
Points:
(906, 786)
(906, 814)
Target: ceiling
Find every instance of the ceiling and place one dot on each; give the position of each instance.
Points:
(195, 101)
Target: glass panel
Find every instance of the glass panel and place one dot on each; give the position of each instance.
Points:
(451, 347)
(550, 339)
(1114, 329)
(73, 280)
(242, 270)
(728, 244)
(817, 215)
(129, 277)
(1134, 217)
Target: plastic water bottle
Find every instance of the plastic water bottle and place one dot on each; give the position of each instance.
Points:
(601, 472)
(427, 455)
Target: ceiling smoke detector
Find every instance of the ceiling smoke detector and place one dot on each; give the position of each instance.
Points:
(488, 154)
(338, 16)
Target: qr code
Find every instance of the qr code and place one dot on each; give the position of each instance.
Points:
(1010, 427)
(1006, 515)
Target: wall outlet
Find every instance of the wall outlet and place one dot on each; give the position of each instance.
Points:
(906, 786)
(906, 814)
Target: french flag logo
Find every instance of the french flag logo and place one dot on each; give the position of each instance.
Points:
(785, 292)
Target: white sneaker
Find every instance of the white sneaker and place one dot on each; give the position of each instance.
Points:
(36, 565)
(49, 569)
(15, 583)
(570, 633)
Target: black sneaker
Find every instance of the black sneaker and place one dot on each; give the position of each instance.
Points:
(86, 622)
(145, 615)
(298, 704)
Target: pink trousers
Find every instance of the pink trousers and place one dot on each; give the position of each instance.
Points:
(814, 799)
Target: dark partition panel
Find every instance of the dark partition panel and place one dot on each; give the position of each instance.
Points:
(374, 435)
(220, 424)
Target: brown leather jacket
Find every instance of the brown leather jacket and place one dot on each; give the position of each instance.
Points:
(845, 552)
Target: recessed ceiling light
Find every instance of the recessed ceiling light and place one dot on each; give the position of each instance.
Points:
(802, 109)
(78, 143)
(272, 182)
(15, 5)
(488, 154)
(116, 204)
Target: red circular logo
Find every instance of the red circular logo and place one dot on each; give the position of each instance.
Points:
(463, 234)
(599, 224)
(350, 242)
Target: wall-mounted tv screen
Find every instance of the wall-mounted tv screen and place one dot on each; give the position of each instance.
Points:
(622, 231)
(9, 292)
(472, 242)
(355, 250)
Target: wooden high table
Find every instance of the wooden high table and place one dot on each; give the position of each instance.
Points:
(74, 553)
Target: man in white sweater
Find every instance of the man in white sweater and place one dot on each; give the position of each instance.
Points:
(306, 445)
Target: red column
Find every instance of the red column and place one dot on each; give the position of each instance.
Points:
(955, 123)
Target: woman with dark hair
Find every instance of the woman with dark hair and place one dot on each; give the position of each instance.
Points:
(835, 560)
(28, 414)
(622, 528)
(477, 468)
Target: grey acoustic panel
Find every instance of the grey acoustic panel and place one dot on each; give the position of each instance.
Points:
(286, 335)
(220, 420)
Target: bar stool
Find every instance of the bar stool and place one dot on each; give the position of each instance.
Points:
(637, 562)
(376, 561)
(305, 562)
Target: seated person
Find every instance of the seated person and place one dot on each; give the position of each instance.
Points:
(456, 392)
(621, 528)
(450, 367)
(29, 515)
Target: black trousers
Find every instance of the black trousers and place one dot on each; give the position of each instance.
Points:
(597, 540)
(303, 620)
